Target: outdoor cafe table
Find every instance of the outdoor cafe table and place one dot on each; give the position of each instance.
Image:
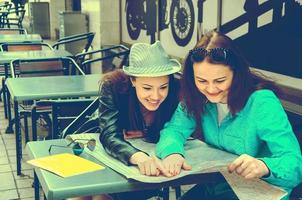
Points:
(20, 38)
(104, 181)
(51, 87)
(7, 57)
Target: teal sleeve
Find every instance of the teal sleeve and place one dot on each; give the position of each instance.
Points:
(275, 130)
(175, 133)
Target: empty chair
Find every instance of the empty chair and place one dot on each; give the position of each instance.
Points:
(87, 121)
(64, 112)
(38, 68)
(110, 58)
(75, 43)
(30, 46)
(4, 8)
(14, 18)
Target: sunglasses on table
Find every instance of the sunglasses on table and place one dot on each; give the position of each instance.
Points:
(77, 146)
(216, 55)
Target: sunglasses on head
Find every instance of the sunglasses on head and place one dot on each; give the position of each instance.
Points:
(216, 55)
(77, 147)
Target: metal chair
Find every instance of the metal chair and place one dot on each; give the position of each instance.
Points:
(75, 43)
(111, 58)
(84, 122)
(38, 68)
(14, 18)
(5, 7)
(33, 46)
(66, 111)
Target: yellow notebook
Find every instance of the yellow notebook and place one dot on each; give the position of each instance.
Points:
(65, 164)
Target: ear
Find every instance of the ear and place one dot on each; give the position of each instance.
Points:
(133, 81)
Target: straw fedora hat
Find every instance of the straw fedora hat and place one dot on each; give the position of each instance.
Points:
(147, 60)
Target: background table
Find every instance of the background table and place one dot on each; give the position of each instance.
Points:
(7, 57)
(52, 87)
(7, 38)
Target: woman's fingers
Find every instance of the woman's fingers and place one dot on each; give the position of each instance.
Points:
(248, 167)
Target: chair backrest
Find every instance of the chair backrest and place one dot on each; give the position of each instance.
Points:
(43, 67)
(85, 122)
(75, 43)
(66, 111)
(15, 17)
(16, 31)
(110, 58)
(25, 46)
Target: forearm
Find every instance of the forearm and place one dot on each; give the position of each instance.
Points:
(117, 147)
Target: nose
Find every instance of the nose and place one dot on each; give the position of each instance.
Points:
(211, 88)
(155, 95)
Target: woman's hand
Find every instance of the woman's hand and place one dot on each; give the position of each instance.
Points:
(174, 163)
(248, 167)
(150, 166)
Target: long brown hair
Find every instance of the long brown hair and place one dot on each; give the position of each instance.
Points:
(122, 87)
(244, 81)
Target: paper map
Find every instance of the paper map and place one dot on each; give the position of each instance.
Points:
(208, 159)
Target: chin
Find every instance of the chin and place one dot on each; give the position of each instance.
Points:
(214, 100)
(151, 107)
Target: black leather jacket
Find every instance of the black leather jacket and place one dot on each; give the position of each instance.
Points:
(114, 118)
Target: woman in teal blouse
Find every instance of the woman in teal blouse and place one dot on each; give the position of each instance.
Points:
(233, 109)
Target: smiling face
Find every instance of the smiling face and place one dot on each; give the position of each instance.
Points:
(151, 91)
(213, 80)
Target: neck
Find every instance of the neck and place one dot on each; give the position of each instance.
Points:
(148, 115)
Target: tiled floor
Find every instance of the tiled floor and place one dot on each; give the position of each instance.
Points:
(11, 185)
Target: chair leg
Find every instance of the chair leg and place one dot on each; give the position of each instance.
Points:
(34, 123)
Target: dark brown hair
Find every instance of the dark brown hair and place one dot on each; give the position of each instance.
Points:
(244, 81)
(122, 88)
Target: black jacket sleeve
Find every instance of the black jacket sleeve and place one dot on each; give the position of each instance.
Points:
(111, 135)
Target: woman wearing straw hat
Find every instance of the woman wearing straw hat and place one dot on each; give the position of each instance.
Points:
(136, 102)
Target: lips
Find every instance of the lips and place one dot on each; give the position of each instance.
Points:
(153, 102)
(213, 94)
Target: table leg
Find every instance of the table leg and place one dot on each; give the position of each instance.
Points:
(4, 90)
(36, 186)
(9, 129)
(18, 138)
(4, 98)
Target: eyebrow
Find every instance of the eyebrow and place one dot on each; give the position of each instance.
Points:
(152, 85)
(214, 79)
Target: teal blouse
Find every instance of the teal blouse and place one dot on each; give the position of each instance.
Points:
(261, 129)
